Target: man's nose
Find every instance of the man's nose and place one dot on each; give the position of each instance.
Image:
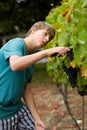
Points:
(47, 38)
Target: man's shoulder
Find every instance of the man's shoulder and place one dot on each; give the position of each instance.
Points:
(18, 39)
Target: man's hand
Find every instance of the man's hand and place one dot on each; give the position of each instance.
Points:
(57, 50)
(39, 125)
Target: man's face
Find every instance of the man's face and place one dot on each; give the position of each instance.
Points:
(41, 38)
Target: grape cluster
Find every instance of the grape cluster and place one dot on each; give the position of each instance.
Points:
(84, 91)
(72, 74)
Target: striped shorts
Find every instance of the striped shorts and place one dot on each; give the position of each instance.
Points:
(23, 120)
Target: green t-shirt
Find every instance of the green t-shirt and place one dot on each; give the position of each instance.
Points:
(12, 83)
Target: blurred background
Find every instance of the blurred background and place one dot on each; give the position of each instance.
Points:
(17, 16)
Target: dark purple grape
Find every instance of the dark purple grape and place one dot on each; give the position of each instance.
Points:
(71, 73)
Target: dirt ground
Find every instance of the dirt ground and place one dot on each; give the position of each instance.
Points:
(53, 111)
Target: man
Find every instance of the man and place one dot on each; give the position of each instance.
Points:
(16, 69)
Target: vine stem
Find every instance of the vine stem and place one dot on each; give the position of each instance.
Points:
(63, 91)
(83, 112)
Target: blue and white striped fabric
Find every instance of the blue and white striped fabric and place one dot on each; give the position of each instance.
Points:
(23, 120)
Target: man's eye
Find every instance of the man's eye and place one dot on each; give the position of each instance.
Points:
(45, 34)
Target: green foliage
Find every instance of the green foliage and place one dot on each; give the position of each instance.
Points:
(70, 21)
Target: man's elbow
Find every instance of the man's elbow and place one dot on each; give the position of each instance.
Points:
(13, 63)
(13, 67)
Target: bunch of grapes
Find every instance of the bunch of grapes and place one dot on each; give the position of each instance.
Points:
(72, 74)
(82, 93)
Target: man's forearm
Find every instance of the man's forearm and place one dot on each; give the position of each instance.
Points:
(22, 62)
(30, 103)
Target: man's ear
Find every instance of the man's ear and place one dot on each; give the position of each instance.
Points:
(33, 29)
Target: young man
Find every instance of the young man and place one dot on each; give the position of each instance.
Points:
(16, 69)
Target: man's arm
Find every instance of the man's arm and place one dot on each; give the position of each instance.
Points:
(30, 103)
(22, 62)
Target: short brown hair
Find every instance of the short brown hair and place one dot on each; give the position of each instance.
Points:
(43, 25)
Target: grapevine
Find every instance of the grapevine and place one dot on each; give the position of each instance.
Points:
(70, 22)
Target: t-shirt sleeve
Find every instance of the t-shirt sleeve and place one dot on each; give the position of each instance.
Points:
(14, 47)
(29, 73)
